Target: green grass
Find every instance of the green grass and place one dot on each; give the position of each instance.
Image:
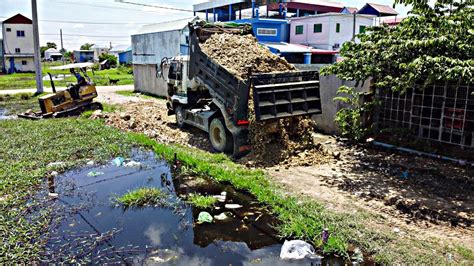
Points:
(145, 196)
(100, 78)
(201, 201)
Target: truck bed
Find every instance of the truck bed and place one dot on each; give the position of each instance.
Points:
(276, 95)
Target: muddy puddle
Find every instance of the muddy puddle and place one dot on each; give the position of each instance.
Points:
(90, 228)
(4, 115)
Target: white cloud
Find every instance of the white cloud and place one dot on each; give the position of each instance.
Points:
(78, 26)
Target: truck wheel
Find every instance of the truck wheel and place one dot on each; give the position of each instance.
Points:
(179, 113)
(220, 137)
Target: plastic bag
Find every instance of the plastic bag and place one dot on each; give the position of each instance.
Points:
(296, 249)
(118, 161)
(204, 217)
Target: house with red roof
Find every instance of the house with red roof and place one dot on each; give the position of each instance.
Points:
(18, 46)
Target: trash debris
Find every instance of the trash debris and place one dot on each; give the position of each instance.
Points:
(53, 195)
(118, 161)
(221, 197)
(55, 164)
(325, 235)
(233, 206)
(94, 173)
(222, 217)
(90, 163)
(297, 249)
(357, 257)
(54, 173)
(396, 230)
(204, 217)
(132, 164)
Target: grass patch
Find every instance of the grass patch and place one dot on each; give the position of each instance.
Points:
(20, 102)
(100, 78)
(141, 197)
(26, 147)
(201, 201)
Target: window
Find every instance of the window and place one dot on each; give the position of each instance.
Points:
(318, 28)
(266, 32)
(17, 50)
(20, 33)
(338, 27)
(9, 29)
(362, 29)
(24, 62)
(299, 30)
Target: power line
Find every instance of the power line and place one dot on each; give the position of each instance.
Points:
(90, 22)
(154, 6)
(86, 35)
(112, 7)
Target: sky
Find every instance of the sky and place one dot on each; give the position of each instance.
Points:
(108, 21)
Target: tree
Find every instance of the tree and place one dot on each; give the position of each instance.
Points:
(111, 59)
(434, 43)
(51, 45)
(86, 46)
(48, 45)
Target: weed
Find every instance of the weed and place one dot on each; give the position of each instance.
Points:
(145, 196)
(201, 201)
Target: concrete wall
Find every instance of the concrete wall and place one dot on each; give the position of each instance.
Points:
(147, 80)
(328, 37)
(150, 48)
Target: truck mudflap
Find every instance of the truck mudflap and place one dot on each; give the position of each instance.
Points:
(289, 94)
(241, 145)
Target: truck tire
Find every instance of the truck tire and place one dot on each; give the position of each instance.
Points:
(219, 136)
(179, 114)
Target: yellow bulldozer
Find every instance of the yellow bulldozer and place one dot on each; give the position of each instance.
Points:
(76, 99)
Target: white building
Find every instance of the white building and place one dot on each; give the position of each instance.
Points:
(328, 31)
(52, 55)
(18, 46)
(150, 45)
(99, 50)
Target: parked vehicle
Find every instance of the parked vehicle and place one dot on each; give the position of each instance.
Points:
(203, 94)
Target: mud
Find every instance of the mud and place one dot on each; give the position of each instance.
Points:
(241, 54)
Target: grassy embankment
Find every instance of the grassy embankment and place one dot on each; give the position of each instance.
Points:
(100, 77)
(26, 147)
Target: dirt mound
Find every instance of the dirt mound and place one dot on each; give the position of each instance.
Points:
(241, 53)
(151, 119)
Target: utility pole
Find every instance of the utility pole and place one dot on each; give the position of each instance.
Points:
(39, 76)
(62, 47)
(354, 26)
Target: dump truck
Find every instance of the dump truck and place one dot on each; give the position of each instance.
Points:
(205, 95)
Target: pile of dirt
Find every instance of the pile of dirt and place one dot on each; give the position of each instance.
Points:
(273, 142)
(240, 54)
(151, 118)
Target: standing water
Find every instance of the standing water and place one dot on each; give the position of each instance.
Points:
(91, 228)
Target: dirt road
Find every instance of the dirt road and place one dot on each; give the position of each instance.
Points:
(414, 195)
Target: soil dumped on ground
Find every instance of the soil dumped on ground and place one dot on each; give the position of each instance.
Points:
(240, 54)
(273, 142)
